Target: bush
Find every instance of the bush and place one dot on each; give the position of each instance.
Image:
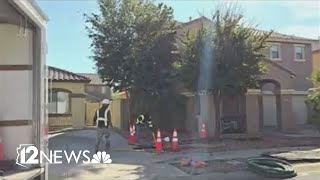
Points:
(313, 100)
(167, 112)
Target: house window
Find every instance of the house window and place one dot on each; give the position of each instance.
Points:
(275, 52)
(299, 52)
(59, 102)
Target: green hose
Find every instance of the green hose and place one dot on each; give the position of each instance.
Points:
(271, 167)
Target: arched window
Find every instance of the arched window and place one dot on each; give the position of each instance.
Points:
(59, 101)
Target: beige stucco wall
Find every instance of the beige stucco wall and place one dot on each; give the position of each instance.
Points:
(91, 108)
(59, 122)
(78, 112)
(77, 104)
(316, 61)
(252, 111)
(71, 86)
(302, 69)
(279, 75)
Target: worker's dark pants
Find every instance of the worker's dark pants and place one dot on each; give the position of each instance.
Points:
(103, 141)
(137, 133)
(139, 130)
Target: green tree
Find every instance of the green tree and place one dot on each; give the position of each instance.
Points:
(226, 59)
(132, 43)
(313, 100)
(134, 47)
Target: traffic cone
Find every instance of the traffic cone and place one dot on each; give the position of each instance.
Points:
(159, 142)
(1, 150)
(203, 133)
(134, 129)
(174, 142)
(132, 138)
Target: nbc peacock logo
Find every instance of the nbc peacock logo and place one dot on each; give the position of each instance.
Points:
(101, 157)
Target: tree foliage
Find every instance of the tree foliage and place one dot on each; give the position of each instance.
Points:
(313, 100)
(191, 54)
(235, 59)
(226, 57)
(132, 43)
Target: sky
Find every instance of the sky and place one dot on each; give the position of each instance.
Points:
(69, 45)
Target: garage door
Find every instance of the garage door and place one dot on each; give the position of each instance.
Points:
(299, 109)
(269, 111)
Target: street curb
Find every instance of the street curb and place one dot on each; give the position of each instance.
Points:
(117, 130)
(71, 130)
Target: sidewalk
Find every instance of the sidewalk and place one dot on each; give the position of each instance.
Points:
(24, 175)
(304, 169)
(206, 156)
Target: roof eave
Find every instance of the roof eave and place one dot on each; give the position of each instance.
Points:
(71, 81)
(272, 39)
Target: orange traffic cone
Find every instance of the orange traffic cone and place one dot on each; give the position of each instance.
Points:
(203, 133)
(159, 142)
(1, 150)
(132, 138)
(174, 142)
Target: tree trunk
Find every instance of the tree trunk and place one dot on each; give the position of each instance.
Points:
(217, 105)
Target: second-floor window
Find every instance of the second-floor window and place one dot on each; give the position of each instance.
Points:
(299, 52)
(275, 52)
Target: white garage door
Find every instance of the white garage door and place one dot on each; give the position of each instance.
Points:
(269, 110)
(299, 109)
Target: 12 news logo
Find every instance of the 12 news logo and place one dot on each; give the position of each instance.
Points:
(28, 154)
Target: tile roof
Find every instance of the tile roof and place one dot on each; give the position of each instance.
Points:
(95, 78)
(279, 36)
(201, 19)
(275, 36)
(56, 74)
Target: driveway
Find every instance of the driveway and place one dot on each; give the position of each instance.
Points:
(126, 163)
(139, 165)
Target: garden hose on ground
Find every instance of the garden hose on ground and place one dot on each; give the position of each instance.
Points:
(271, 167)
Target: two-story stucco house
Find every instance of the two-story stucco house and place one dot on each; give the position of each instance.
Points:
(289, 62)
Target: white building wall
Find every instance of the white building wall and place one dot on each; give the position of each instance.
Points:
(15, 87)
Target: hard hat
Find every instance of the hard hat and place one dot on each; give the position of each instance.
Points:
(106, 101)
(166, 139)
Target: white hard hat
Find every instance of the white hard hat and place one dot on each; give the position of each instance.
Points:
(106, 101)
(166, 139)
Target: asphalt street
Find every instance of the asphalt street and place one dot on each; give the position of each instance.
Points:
(139, 165)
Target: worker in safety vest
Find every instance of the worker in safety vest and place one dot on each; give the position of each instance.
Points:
(102, 120)
(144, 122)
